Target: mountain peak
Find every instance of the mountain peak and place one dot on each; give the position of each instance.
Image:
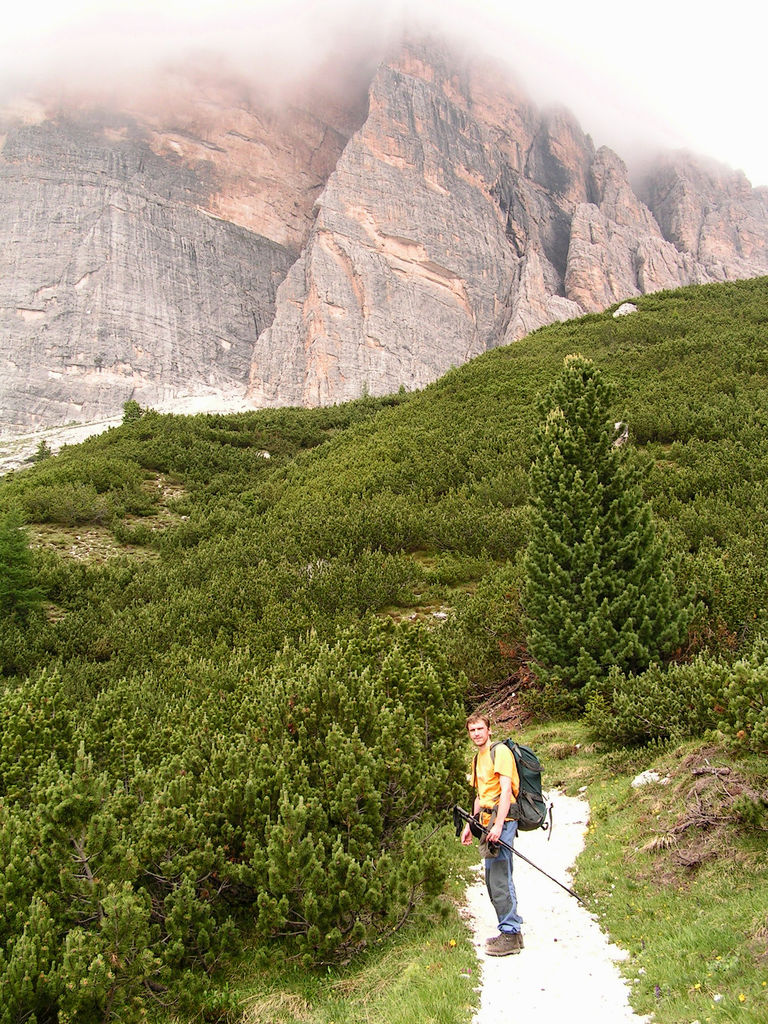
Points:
(366, 227)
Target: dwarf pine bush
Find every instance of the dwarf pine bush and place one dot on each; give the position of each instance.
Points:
(745, 700)
(671, 702)
(357, 749)
(144, 832)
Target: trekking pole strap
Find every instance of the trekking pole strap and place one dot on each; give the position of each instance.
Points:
(460, 814)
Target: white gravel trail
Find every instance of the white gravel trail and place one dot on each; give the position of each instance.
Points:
(568, 969)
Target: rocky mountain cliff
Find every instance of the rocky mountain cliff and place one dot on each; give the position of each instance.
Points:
(203, 240)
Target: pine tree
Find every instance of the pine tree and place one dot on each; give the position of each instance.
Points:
(42, 452)
(599, 589)
(132, 411)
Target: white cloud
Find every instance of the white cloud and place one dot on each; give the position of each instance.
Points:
(663, 73)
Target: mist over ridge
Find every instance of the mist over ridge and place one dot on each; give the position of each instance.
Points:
(636, 84)
(363, 220)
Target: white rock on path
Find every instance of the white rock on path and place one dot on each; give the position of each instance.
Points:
(568, 968)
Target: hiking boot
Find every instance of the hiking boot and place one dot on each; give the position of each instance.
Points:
(504, 943)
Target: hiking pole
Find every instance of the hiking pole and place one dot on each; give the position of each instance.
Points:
(459, 814)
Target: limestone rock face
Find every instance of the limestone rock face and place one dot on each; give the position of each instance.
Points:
(407, 269)
(198, 238)
(115, 282)
(438, 236)
(460, 217)
(710, 213)
(141, 248)
(616, 246)
(266, 161)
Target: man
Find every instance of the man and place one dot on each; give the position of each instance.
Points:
(497, 784)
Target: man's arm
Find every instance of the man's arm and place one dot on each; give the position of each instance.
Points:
(504, 804)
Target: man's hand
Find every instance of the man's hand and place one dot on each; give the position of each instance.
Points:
(466, 836)
(494, 832)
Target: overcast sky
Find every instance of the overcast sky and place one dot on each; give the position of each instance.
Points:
(660, 73)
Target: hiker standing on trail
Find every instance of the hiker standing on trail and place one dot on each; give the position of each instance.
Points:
(497, 784)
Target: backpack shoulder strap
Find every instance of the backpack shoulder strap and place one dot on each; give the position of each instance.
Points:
(493, 761)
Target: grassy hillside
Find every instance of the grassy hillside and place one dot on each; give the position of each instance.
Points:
(238, 608)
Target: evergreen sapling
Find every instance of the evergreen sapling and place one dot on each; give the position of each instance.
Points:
(599, 589)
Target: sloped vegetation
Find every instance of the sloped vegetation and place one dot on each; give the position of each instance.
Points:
(249, 738)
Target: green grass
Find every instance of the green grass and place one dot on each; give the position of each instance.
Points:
(677, 879)
(428, 976)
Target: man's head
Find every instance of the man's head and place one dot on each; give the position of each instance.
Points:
(479, 729)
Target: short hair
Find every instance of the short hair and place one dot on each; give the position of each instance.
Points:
(477, 717)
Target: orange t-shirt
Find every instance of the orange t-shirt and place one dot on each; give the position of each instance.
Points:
(487, 774)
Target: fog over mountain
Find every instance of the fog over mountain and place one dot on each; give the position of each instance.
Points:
(663, 76)
(311, 207)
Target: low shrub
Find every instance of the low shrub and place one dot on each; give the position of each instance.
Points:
(745, 700)
(357, 747)
(675, 701)
(144, 831)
